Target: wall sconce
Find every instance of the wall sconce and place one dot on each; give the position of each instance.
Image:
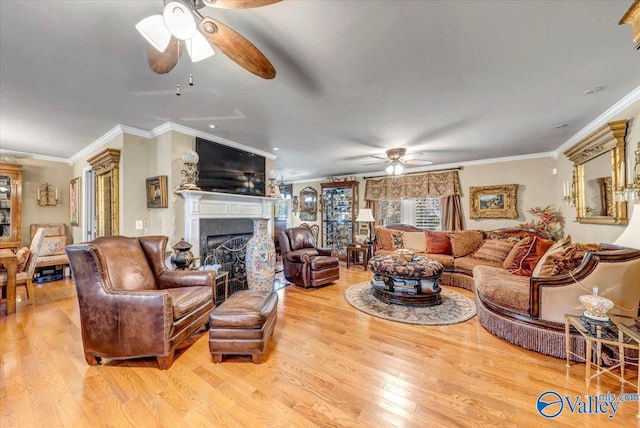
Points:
(47, 196)
(632, 191)
(272, 187)
(189, 170)
(295, 205)
(320, 204)
(568, 192)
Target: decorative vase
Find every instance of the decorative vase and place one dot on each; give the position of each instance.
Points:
(182, 257)
(260, 259)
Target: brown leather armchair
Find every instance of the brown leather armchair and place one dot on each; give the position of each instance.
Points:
(131, 305)
(305, 264)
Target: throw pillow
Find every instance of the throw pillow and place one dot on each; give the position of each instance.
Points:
(438, 242)
(513, 237)
(568, 259)
(494, 250)
(416, 241)
(23, 257)
(508, 261)
(383, 238)
(526, 261)
(397, 240)
(465, 242)
(546, 265)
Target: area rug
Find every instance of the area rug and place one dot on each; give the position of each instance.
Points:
(455, 307)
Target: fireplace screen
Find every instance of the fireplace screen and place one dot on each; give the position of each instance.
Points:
(230, 255)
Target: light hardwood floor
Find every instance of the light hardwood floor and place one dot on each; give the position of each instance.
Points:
(326, 365)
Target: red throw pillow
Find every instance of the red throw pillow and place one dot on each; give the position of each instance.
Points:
(529, 255)
(438, 242)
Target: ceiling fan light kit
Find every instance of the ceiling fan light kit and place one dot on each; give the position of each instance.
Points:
(397, 158)
(182, 24)
(395, 169)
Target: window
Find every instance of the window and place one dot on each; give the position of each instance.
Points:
(421, 212)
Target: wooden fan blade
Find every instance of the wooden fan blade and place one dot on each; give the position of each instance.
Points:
(238, 4)
(383, 157)
(163, 62)
(236, 47)
(416, 162)
(412, 156)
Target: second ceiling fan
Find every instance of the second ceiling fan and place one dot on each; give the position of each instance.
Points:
(182, 25)
(397, 158)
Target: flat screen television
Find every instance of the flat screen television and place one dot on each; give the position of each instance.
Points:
(229, 170)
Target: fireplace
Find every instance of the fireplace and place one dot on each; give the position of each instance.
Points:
(219, 225)
(237, 211)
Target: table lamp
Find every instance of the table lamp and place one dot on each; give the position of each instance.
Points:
(365, 215)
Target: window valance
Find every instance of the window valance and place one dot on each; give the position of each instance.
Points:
(430, 184)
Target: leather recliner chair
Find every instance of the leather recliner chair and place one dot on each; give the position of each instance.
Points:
(131, 305)
(305, 264)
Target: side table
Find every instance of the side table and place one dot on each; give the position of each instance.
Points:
(353, 254)
(225, 276)
(621, 332)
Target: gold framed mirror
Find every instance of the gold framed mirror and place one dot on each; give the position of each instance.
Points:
(598, 172)
(308, 204)
(105, 165)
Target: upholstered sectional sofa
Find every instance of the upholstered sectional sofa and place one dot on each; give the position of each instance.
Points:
(524, 299)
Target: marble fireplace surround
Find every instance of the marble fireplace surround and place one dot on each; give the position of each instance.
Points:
(199, 205)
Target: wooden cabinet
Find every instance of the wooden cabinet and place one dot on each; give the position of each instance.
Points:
(339, 210)
(10, 205)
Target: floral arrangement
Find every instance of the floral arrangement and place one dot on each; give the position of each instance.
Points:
(547, 219)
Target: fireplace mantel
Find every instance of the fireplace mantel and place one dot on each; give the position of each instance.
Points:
(211, 205)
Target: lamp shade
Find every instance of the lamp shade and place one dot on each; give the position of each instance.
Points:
(631, 235)
(365, 215)
(199, 48)
(155, 32)
(179, 20)
(395, 169)
(189, 156)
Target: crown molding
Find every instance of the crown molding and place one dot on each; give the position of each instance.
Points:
(157, 131)
(631, 98)
(19, 154)
(110, 135)
(171, 126)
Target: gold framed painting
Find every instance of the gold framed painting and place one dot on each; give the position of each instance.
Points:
(493, 201)
(157, 193)
(74, 202)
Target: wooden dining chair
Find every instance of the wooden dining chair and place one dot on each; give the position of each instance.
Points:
(26, 276)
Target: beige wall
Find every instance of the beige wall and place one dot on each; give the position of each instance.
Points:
(536, 188)
(34, 173)
(135, 165)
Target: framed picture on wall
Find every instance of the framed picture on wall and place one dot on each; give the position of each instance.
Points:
(493, 201)
(74, 202)
(157, 193)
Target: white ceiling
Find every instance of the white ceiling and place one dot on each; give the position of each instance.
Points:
(457, 80)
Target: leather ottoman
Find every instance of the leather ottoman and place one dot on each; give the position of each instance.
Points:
(242, 324)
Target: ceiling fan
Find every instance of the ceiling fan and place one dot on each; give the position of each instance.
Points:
(396, 158)
(182, 25)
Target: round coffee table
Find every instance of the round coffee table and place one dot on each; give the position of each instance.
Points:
(410, 283)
